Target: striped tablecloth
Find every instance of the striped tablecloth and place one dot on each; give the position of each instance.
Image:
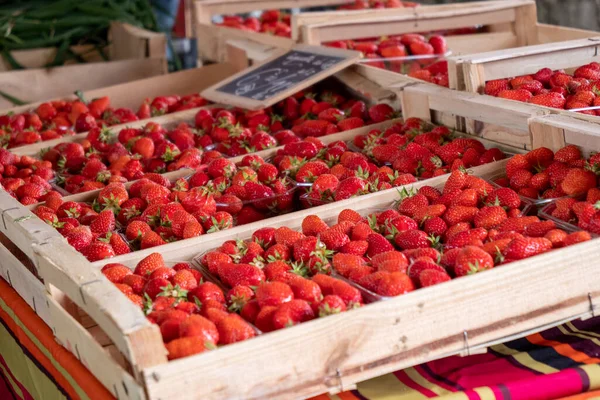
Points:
(563, 362)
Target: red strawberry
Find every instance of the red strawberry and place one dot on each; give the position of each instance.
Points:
(471, 260)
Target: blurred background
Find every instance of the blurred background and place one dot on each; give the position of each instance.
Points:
(584, 14)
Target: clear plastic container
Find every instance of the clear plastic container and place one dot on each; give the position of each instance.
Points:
(536, 202)
(405, 65)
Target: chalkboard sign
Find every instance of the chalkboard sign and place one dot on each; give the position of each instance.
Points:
(280, 76)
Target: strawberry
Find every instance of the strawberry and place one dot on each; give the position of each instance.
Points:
(286, 236)
(394, 284)
(119, 244)
(184, 347)
(117, 273)
(240, 274)
(148, 264)
(151, 239)
(292, 313)
(552, 99)
(412, 239)
(198, 326)
(520, 248)
(489, 217)
(494, 87)
(578, 182)
(273, 294)
(98, 251)
(390, 261)
(471, 260)
(331, 304)
(234, 329)
(304, 289)
(518, 95)
(430, 277)
(378, 244)
(381, 112)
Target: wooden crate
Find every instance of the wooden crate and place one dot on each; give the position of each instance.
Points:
(113, 339)
(126, 42)
(134, 54)
(514, 19)
(130, 94)
(474, 70)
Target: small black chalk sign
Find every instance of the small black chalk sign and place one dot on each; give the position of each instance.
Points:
(280, 76)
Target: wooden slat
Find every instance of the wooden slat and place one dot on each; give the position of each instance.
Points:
(30, 288)
(421, 19)
(482, 67)
(483, 116)
(212, 40)
(21, 227)
(132, 93)
(552, 33)
(65, 270)
(565, 130)
(32, 85)
(99, 361)
(130, 41)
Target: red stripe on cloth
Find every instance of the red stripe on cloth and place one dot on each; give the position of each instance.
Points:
(24, 391)
(551, 386)
(5, 391)
(478, 371)
(84, 379)
(402, 377)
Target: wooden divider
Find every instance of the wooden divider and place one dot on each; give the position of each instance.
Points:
(557, 131)
(479, 68)
(486, 117)
(519, 13)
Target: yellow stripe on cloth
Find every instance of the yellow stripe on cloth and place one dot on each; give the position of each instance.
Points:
(24, 370)
(574, 328)
(593, 373)
(485, 393)
(578, 333)
(388, 387)
(419, 379)
(525, 359)
(80, 392)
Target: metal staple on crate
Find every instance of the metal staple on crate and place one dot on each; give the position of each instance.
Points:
(589, 295)
(4, 217)
(338, 374)
(466, 339)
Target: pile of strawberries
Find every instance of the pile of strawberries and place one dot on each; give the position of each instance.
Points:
(272, 291)
(542, 174)
(190, 311)
(154, 211)
(278, 23)
(418, 148)
(26, 178)
(556, 89)
(54, 119)
(391, 53)
(468, 227)
(309, 113)
(106, 157)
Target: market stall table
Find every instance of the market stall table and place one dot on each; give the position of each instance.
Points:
(559, 362)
